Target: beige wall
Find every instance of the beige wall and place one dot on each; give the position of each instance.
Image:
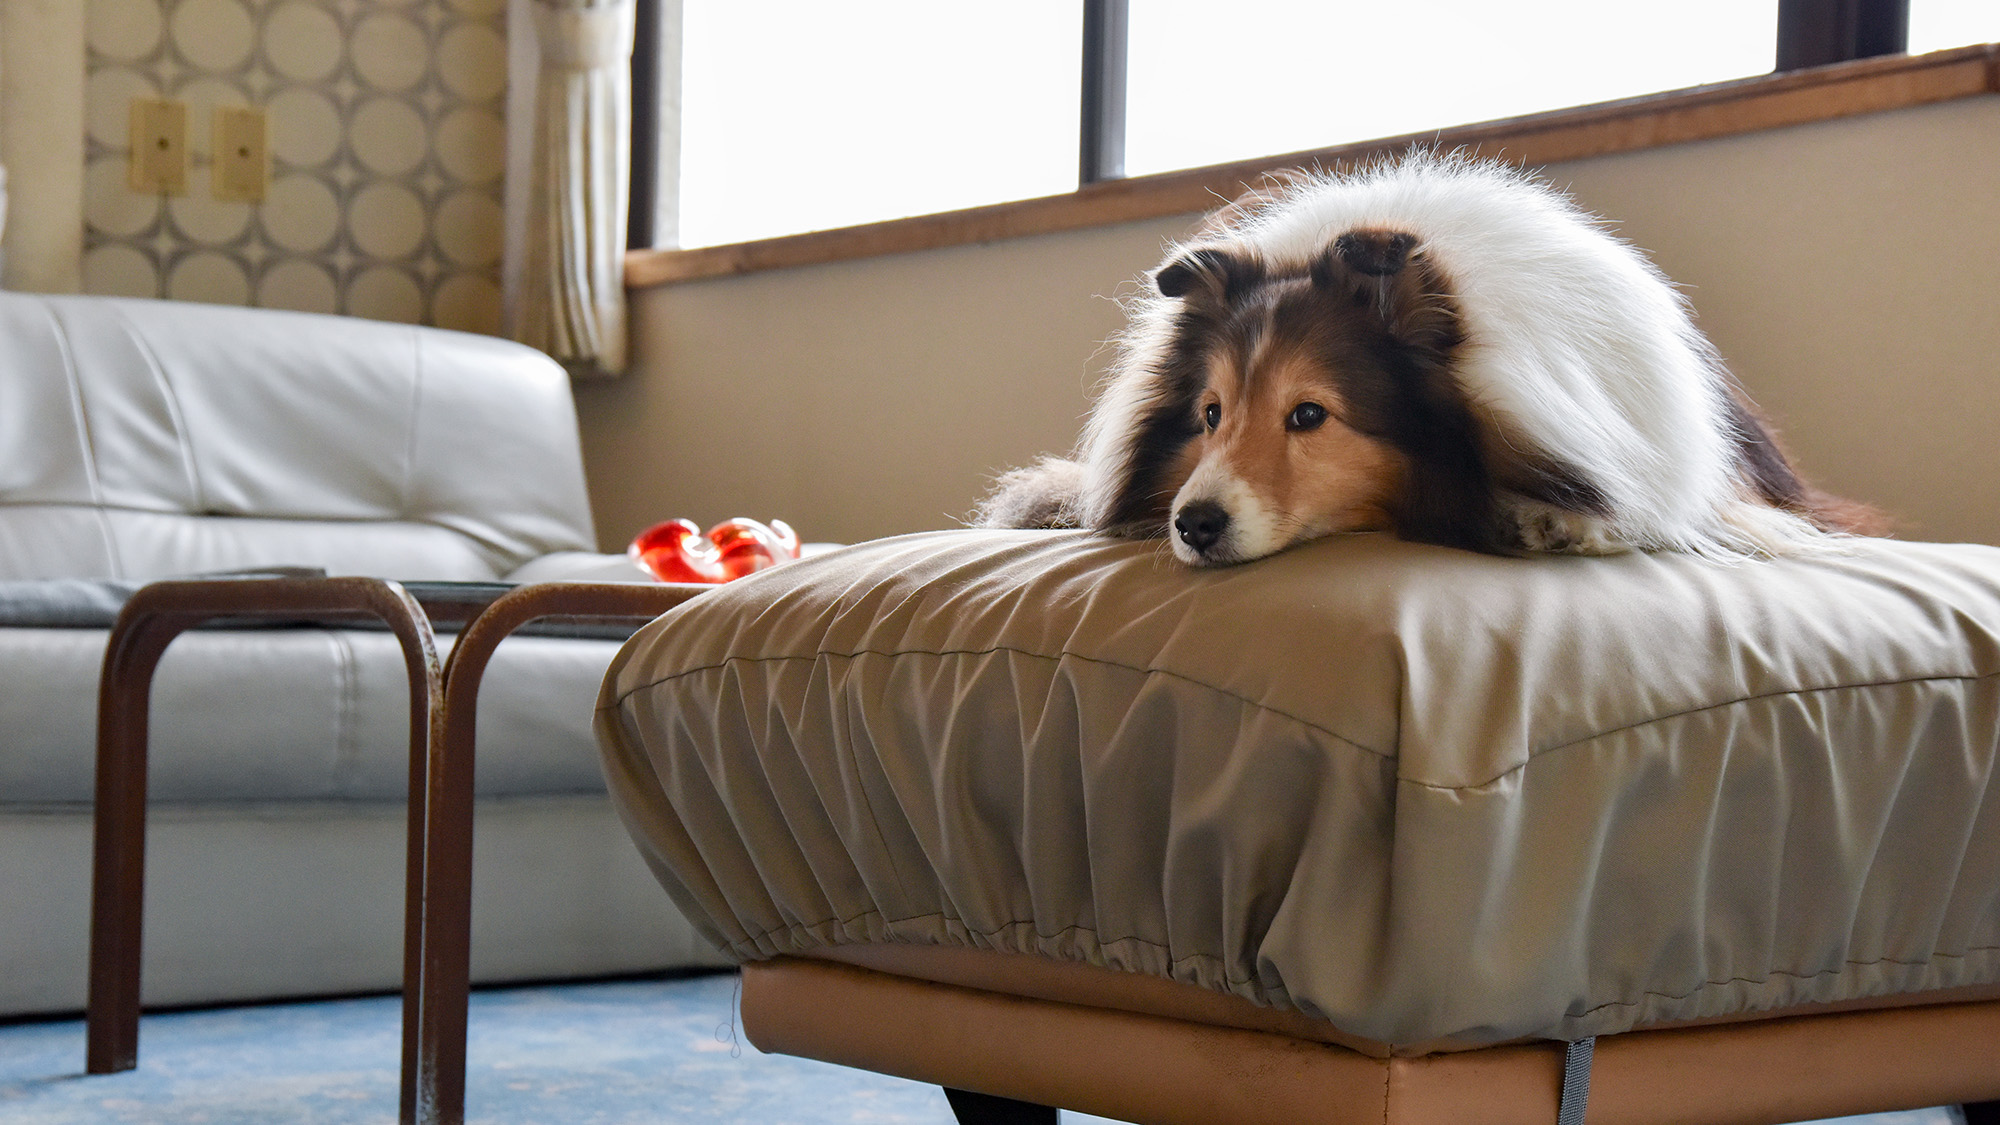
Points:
(1849, 271)
(858, 399)
(1850, 274)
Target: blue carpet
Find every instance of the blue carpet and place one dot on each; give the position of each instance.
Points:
(651, 1052)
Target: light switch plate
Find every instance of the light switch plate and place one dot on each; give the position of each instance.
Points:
(159, 160)
(241, 157)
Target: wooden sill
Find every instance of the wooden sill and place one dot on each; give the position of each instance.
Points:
(1701, 113)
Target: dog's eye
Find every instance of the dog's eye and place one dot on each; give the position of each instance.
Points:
(1305, 416)
(1211, 415)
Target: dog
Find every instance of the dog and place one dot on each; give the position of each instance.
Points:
(1435, 345)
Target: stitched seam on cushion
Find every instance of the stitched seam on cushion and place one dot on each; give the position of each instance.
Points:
(346, 748)
(1225, 692)
(1388, 1086)
(1780, 973)
(1532, 757)
(197, 494)
(243, 520)
(1789, 693)
(415, 420)
(87, 441)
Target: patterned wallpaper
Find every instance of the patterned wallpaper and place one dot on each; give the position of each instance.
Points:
(387, 143)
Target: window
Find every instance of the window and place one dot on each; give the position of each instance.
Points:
(797, 116)
(801, 116)
(1936, 25)
(1276, 77)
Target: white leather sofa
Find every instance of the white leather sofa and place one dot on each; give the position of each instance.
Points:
(146, 439)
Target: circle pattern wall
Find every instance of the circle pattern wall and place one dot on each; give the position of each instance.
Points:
(387, 143)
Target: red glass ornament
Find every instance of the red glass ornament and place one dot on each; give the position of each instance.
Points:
(677, 551)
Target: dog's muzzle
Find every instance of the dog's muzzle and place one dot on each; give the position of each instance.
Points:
(1201, 524)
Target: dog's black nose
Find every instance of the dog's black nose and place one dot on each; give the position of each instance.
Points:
(1200, 523)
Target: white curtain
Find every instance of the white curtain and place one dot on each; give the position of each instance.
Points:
(572, 287)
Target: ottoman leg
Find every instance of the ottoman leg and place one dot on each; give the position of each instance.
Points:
(985, 1109)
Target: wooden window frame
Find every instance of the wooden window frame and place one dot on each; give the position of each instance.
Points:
(1796, 97)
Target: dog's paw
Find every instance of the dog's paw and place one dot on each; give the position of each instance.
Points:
(1551, 530)
(1045, 495)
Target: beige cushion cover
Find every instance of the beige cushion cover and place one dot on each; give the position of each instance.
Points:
(1418, 793)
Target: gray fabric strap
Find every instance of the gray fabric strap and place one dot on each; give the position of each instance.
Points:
(1576, 1080)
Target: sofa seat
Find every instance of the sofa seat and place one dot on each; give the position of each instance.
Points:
(1424, 797)
(294, 714)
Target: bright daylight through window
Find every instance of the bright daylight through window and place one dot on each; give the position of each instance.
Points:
(1280, 77)
(798, 116)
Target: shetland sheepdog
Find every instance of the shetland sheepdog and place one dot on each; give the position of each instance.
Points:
(1437, 346)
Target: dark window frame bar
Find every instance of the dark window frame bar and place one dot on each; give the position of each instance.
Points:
(1106, 47)
(1810, 33)
(1821, 32)
(643, 199)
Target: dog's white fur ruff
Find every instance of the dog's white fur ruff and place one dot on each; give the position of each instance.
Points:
(1576, 345)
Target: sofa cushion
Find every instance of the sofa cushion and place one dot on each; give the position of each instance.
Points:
(291, 714)
(1420, 793)
(153, 438)
(262, 901)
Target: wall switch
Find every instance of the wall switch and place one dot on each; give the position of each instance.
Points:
(241, 155)
(159, 158)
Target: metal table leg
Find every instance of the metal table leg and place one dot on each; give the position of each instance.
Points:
(147, 625)
(435, 1013)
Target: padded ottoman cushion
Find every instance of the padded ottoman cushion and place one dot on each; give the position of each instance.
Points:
(1420, 793)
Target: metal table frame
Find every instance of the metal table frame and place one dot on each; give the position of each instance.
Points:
(437, 918)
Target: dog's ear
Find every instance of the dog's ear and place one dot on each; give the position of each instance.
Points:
(1209, 273)
(1389, 272)
(1363, 261)
(1361, 264)
(1376, 253)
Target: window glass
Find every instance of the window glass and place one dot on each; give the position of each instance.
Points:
(799, 115)
(1938, 24)
(1212, 83)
